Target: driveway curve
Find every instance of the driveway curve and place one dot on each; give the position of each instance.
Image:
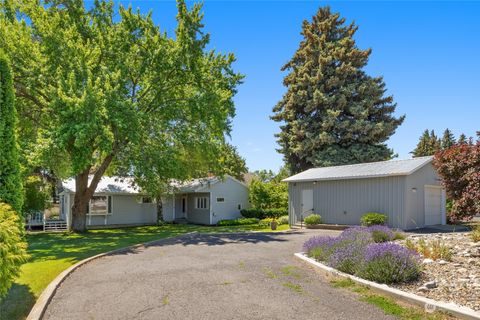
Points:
(201, 276)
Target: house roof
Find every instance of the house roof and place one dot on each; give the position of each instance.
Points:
(108, 185)
(126, 185)
(362, 170)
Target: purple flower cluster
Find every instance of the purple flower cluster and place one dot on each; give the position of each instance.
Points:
(390, 263)
(356, 251)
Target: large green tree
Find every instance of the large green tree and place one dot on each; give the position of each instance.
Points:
(10, 177)
(427, 145)
(109, 91)
(333, 112)
(448, 139)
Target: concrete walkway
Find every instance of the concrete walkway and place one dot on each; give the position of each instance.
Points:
(231, 276)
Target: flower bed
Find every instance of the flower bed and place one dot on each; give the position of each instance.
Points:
(368, 253)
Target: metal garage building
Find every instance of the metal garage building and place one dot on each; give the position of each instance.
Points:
(408, 191)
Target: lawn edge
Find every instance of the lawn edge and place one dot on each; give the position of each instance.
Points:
(454, 309)
(41, 304)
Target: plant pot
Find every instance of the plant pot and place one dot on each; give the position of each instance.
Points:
(274, 225)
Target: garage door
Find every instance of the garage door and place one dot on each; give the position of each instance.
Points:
(433, 205)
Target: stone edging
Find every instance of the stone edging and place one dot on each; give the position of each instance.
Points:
(452, 308)
(36, 313)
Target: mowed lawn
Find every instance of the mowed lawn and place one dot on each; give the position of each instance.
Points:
(51, 253)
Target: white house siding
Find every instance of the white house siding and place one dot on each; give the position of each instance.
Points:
(200, 216)
(234, 194)
(167, 208)
(345, 201)
(415, 201)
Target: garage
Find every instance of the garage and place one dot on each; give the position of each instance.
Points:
(408, 191)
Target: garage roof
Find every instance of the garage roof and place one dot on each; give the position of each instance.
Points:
(362, 170)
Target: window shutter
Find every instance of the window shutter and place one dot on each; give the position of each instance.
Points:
(88, 207)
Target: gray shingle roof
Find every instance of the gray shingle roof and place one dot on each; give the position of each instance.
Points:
(362, 170)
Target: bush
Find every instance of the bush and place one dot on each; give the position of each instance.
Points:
(283, 220)
(475, 234)
(373, 218)
(12, 247)
(313, 219)
(390, 263)
(238, 222)
(253, 213)
(434, 249)
(381, 233)
(276, 213)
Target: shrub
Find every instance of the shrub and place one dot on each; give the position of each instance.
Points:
(475, 234)
(12, 247)
(373, 218)
(282, 220)
(313, 219)
(390, 263)
(238, 222)
(434, 249)
(381, 233)
(253, 213)
(320, 248)
(275, 213)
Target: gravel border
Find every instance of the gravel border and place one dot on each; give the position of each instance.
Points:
(429, 304)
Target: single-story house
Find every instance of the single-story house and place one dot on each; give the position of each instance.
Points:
(408, 191)
(117, 201)
(207, 201)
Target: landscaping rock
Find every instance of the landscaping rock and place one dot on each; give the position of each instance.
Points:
(456, 281)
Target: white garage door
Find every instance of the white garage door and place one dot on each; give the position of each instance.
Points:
(433, 205)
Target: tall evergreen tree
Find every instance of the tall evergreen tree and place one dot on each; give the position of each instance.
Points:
(448, 139)
(10, 178)
(462, 139)
(333, 112)
(427, 145)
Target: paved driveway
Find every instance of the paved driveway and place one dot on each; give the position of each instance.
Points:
(231, 276)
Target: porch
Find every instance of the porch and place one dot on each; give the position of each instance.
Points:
(38, 219)
(192, 207)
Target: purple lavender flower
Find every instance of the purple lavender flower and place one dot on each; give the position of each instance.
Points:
(381, 233)
(390, 263)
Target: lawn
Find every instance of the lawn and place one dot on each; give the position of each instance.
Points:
(51, 253)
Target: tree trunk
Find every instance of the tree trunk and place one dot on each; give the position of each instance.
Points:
(80, 202)
(84, 192)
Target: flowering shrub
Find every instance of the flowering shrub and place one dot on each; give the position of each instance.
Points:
(389, 263)
(356, 251)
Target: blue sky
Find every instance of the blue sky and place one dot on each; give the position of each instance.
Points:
(428, 53)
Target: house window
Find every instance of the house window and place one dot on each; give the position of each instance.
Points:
(100, 205)
(201, 203)
(220, 199)
(144, 200)
(239, 206)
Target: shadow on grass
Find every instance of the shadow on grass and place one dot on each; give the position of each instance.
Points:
(18, 302)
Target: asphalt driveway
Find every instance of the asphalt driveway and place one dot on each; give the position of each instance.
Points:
(230, 276)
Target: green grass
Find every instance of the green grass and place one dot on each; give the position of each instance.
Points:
(387, 305)
(51, 253)
(295, 287)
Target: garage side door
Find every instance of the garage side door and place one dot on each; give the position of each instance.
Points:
(433, 205)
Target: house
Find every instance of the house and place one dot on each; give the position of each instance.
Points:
(206, 201)
(409, 192)
(118, 202)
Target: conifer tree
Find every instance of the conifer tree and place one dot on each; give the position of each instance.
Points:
(333, 113)
(448, 139)
(462, 139)
(10, 178)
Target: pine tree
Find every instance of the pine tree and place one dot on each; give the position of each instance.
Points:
(448, 139)
(427, 145)
(462, 139)
(333, 112)
(10, 178)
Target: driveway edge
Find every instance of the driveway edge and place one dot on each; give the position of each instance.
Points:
(36, 313)
(452, 308)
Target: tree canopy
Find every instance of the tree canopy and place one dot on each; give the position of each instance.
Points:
(106, 89)
(333, 113)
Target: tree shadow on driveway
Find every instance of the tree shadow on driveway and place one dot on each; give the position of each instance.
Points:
(212, 240)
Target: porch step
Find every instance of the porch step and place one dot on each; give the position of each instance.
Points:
(55, 225)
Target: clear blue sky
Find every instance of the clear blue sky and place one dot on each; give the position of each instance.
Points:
(428, 53)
